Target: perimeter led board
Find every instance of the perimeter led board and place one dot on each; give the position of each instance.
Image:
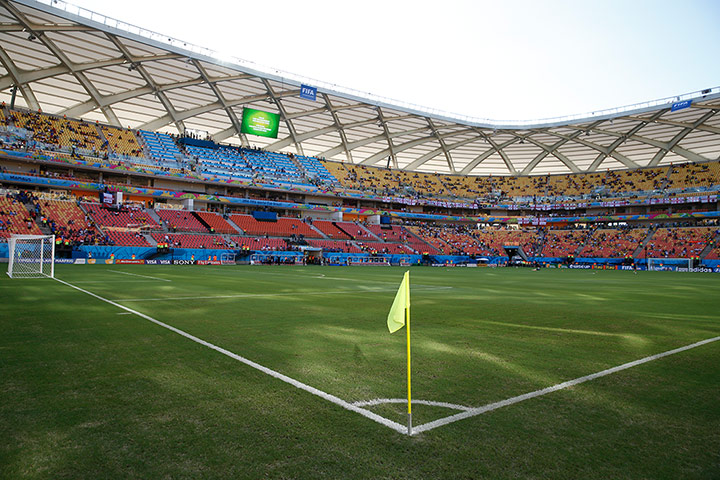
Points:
(262, 124)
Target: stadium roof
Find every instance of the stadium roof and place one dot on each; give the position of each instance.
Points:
(71, 61)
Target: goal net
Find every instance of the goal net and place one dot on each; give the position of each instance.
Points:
(668, 263)
(31, 256)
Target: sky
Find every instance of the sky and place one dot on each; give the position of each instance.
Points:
(496, 60)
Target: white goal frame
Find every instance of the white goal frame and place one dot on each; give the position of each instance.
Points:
(31, 256)
(658, 264)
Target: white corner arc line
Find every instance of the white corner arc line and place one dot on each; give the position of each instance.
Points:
(430, 403)
(510, 401)
(302, 386)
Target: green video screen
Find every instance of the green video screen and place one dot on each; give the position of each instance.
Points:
(262, 124)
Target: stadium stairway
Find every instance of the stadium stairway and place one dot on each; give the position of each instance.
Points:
(150, 239)
(420, 239)
(709, 247)
(638, 253)
(335, 224)
(153, 214)
(234, 225)
(580, 247)
(313, 227)
(202, 222)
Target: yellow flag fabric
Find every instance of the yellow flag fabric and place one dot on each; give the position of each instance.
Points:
(396, 317)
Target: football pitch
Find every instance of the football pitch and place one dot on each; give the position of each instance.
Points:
(119, 371)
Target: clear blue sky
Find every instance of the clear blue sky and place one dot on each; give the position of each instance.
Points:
(520, 59)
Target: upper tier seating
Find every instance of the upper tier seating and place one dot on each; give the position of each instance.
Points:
(60, 131)
(122, 141)
(697, 175)
(161, 147)
(316, 170)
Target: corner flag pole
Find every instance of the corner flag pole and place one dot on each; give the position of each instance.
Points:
(407, 325)
(399, 317)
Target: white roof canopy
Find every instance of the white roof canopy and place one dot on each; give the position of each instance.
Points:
(70, 61)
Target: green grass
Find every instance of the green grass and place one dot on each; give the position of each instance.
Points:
(87, 391)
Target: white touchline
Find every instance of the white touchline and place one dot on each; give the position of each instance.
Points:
(504, 403)
(143, 276)
(331, 398)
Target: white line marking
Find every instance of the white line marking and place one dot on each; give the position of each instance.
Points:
(251, 295)
(468, 413)
(143, 276)
(302, 386)
(381, 401)
(510, 401)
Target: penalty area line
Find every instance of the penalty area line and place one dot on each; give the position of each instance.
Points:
(472, 412)
(302, 386)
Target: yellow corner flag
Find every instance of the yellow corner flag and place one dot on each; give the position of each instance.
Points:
(396, 317)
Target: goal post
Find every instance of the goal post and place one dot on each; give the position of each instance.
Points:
(669, 263)
(31, 256)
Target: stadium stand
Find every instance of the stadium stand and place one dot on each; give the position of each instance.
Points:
(59, 131)
(335, 245)
(181, 220)
(330, 229)
(259, 243)
(283, 227)
(562, 243)
(16, 219)
(120, 218)
(216, 222)
(127, 239)
(161, 147)
(67, 220)
(492, 241)
(121, 141)
(183, 240)
(613, 243)
(380, 247)
(679, 242)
